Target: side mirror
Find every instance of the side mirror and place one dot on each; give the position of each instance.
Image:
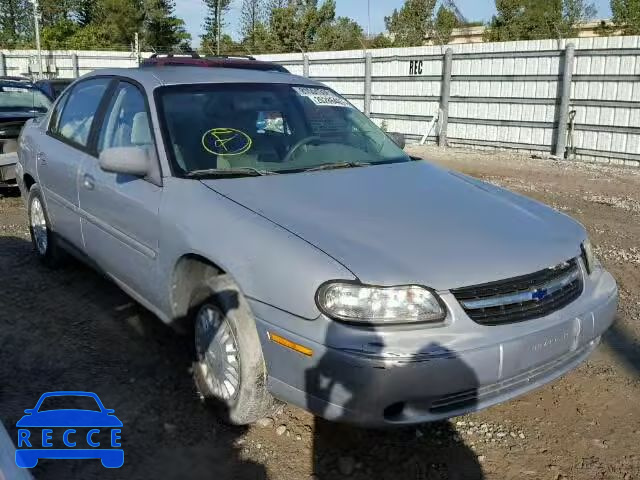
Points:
(29, 411)
(398, 139)
(126, 160)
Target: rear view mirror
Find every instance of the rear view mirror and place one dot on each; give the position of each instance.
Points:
(126, 160)
(397, 138)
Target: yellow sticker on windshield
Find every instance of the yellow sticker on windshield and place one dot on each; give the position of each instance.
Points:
(226, 141)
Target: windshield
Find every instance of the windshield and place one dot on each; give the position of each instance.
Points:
(269, 128)
(22, 98)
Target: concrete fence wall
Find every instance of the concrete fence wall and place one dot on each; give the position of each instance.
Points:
(63, 63)
(578, 96)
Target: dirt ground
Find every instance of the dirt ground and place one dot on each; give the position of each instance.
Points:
(72, 330)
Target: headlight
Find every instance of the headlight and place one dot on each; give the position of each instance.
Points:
(591, 261)
(352, 302)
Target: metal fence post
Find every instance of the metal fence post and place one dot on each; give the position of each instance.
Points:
(565, 100)
(368, 67)
(305, 65)
(445, 93)
(3, 64)
(74, 63)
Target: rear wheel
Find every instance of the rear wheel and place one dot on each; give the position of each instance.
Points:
(42, 237)
(229, 369)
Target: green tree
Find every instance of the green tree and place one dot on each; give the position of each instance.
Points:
(59, 34)
(341, 34)
(251, 21)
(162, 29)
(263, 39)
(409, 26)
(626, 15)
(296, 27)
(229, 47)
(91, 36)
(443, 25)
(119, 20)
(537, 19)
(380, 41)
(85, 11)
(214, 17)
(55, 11)
(16, 23)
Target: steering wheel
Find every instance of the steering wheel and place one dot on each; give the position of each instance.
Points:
(297, 146)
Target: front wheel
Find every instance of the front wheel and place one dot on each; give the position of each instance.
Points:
(230, 369)
(42, 236)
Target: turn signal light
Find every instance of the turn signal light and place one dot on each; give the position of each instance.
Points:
(289, 344)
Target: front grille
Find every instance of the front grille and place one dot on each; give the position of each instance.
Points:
(522, 298)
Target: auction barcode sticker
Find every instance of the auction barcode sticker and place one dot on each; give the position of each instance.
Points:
(322, 97)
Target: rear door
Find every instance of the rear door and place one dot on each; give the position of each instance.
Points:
(62, 150)
(120, 212)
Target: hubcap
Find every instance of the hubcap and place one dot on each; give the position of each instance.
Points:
(39, 226)
(217, 351)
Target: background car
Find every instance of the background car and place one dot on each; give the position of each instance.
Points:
(54, 87)
(20, 101)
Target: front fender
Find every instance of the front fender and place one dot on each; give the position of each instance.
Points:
(270, 264)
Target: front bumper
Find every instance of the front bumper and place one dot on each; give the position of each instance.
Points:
(406, 376)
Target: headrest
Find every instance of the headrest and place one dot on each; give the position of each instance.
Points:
(140, 130)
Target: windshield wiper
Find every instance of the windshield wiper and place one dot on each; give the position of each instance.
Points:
(229, 172)
(332, 166)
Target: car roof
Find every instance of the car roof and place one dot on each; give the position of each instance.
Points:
(54, 80)
(151, 78)
(14, 78)
(16, 82)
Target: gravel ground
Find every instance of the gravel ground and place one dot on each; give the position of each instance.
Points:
(71, 329)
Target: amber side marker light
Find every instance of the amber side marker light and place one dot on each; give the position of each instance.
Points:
(289, 344)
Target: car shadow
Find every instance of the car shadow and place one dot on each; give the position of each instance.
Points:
(9, 191)
(71, 329)
(623, 346)
(427, 451)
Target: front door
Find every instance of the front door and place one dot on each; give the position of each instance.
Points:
(120, 212)
(61, 152)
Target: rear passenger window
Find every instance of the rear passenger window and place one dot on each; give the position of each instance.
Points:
(75, 121)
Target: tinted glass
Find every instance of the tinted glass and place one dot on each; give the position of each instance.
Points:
(126, 123)
(58, 87)
(79, 110)
(270, 127)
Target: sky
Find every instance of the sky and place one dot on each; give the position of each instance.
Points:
(193, 12)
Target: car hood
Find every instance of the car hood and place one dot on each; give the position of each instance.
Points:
(412, 223)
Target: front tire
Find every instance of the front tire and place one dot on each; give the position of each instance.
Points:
(229, 369)
(42, 236)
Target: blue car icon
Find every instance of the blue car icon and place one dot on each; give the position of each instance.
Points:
(29, 452)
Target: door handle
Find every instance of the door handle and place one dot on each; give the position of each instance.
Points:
(41, 157)
(88, 182)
